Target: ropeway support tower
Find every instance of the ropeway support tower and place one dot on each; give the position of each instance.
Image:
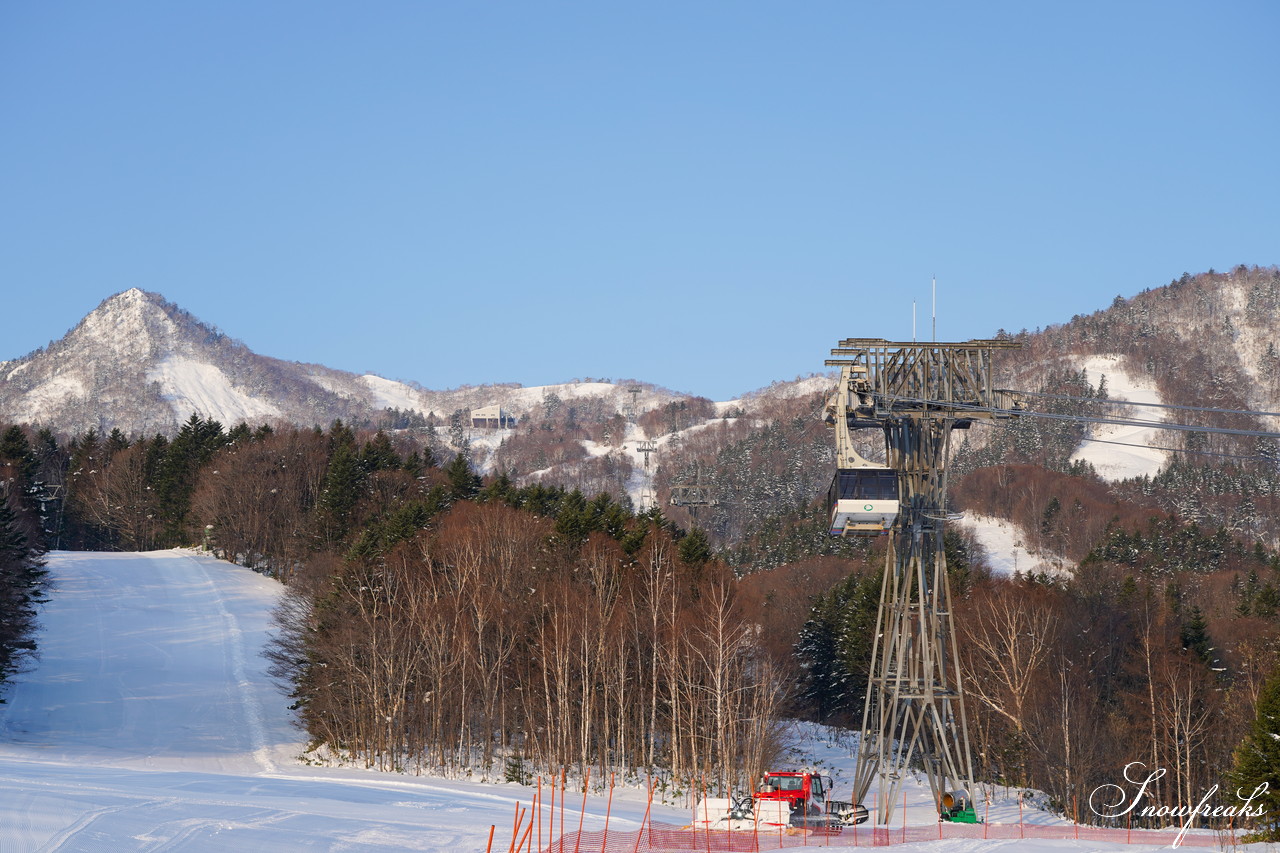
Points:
(917, 394)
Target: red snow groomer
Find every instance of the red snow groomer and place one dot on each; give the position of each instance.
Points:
(807, 796)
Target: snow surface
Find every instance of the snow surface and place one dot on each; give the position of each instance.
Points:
(194, 386)
(798, 387)
(1003, 542)
(389, 394)
(149, 724)
(54, 391)
(1115, 461)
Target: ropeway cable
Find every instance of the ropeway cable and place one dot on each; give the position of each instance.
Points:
(1152, 405)
(1164, 425)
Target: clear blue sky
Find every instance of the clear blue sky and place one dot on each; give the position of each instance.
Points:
(705, 195)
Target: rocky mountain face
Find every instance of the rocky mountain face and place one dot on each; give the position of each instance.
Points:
(144, 365)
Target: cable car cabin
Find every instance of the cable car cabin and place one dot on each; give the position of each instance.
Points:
(863, 501)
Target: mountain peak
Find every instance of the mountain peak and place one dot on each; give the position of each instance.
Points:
(142, 364)
(135, 300)
(133, 324)
(134, 295)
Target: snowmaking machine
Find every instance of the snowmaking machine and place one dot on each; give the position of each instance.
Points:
(957, 808)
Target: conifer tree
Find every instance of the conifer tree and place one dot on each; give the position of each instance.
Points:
(1195, 636)
(694, 549)
(824, 687)
(19, 478)
(21, 575)
(116, 442)
(342, 487)
(379, 455)
(463, 485)
(1257, 761)
(834, 648)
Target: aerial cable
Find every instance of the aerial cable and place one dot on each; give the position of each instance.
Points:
(1162, 425)
(1178, 450)
(1152, 405)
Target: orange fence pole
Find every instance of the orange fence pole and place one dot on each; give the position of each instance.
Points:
(515, 830)
(538, 812)
(607, 811)
(702, 782)
(564, 794)
(645, 819)
(904, 815)
(586, 784)
(528, 832)
(489, 848)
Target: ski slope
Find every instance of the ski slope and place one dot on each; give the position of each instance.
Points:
(149, 724)
(1123, 452)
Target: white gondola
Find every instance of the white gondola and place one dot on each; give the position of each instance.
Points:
(863, 498)
(863, 501)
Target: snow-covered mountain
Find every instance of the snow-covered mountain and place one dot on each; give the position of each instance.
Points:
(144, 365)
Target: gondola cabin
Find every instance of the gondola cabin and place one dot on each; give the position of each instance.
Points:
(863, 501)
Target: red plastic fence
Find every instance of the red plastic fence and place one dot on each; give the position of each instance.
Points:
(661, 838)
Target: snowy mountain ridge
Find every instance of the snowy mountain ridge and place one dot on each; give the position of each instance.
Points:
(142, 364)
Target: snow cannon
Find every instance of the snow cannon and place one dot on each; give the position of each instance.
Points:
(958, 808)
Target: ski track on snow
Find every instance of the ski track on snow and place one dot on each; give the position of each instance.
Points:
(149, 724)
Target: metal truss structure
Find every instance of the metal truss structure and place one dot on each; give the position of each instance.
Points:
(914, 716)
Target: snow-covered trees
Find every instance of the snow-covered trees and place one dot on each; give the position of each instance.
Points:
(834, 648)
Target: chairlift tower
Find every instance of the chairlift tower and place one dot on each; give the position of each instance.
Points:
(693, 496)
(916, 393)
(631, 411)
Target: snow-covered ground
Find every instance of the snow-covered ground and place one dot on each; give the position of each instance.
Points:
(1003, 542)
(194, 386)
(149, 724)
(1131, 454)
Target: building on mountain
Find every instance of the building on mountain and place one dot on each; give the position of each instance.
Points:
(492, 417)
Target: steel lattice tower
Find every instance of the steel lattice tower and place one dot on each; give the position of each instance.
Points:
(917, 393)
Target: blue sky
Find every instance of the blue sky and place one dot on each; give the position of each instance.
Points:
(704, 195)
